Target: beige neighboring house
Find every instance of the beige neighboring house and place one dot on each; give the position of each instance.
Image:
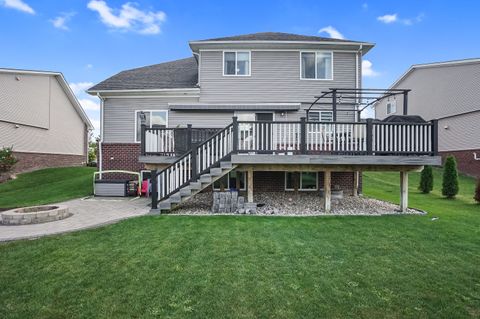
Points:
(449, 92)
(42, 120)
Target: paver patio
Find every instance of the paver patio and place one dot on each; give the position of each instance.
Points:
(87, 213)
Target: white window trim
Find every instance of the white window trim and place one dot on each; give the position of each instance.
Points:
(393, 104)
(241, 189)
(300, 180)
(135, 121)
(249, 63)
(316, 52)
(320, 116)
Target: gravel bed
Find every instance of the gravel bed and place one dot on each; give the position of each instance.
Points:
(301, 204)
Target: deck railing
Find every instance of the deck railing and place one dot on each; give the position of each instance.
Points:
(173, 141)
(301, 137)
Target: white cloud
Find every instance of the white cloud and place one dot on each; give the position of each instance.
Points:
(96, 125)
(80, 87)
(388, 18)
(332, 32)
(365, 6)
(60, 22)
(89, 104)
(129, 18)
(367, 69)
(89, 66)
(18, 5)
(394, 18)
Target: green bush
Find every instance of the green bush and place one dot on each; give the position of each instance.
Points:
(7, 159)
(426, 180)
(477, 192)
(450, 178)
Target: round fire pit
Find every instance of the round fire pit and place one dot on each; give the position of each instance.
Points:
(34, 215)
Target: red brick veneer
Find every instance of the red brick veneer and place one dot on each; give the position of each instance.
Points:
(121, 156)
(33, 161)
(465, 161)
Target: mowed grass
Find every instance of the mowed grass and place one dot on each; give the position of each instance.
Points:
(257, 267)
(46, 186)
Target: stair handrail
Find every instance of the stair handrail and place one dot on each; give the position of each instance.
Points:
(185, 169)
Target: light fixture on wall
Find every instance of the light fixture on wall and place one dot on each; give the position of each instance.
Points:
(446, 127)
(17, 77)
(17, 126)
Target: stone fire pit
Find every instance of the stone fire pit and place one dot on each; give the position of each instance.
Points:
(34, 215)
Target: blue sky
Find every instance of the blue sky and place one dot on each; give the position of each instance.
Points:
(91, 40)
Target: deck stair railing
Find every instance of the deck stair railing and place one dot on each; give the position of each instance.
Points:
(291, 138)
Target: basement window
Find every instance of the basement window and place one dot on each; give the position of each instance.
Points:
(229, 181)
(308, 181)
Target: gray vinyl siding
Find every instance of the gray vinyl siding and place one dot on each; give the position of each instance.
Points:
(200, 118)
(65, 131)
(444, 93)
(119, 115)
(275, 77)
(458, 133)
(440, 91)
(25, 99)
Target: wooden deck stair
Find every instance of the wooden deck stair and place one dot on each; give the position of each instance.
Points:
(195, 187)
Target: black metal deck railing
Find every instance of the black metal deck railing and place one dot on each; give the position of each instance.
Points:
(303, 137)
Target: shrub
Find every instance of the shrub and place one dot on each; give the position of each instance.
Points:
(426, 180)
(7, 159)
(477, 191)
(450, 178)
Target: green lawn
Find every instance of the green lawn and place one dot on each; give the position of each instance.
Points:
(257, 267)
(47, 186)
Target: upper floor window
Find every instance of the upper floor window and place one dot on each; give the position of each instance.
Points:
(152, 119)
(236, 63)
(317, 65)
(391, 107)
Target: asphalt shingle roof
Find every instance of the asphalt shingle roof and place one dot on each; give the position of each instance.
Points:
(169, 75)
(275, 36)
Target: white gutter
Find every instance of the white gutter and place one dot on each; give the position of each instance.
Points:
(186, 90)
(100, 168)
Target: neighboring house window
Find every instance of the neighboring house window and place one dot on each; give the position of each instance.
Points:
(229, 181)
(308, 181)
(153, 119)
(317, 65)
(391, 107)
(236, 63)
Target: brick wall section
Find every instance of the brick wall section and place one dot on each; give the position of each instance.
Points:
(465, 161)
(121, 157)
(33, 161)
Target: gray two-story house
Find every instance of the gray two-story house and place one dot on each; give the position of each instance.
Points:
(238, 114)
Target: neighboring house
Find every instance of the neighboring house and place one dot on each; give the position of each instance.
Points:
(449, 92)
(252, 92)
(42, 120)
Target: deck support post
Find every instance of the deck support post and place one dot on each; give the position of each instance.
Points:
(250, 185)
(154, 193)
(356, 182)
(403, 191)
(327, 191)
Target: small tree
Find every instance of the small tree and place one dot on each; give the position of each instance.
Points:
(477, 191)
(450, 178)
(426, 180)
(7, 159)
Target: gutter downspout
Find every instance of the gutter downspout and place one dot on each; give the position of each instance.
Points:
(100, 162)
(357, 82)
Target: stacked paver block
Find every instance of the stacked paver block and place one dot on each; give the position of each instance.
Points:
(230, 202)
